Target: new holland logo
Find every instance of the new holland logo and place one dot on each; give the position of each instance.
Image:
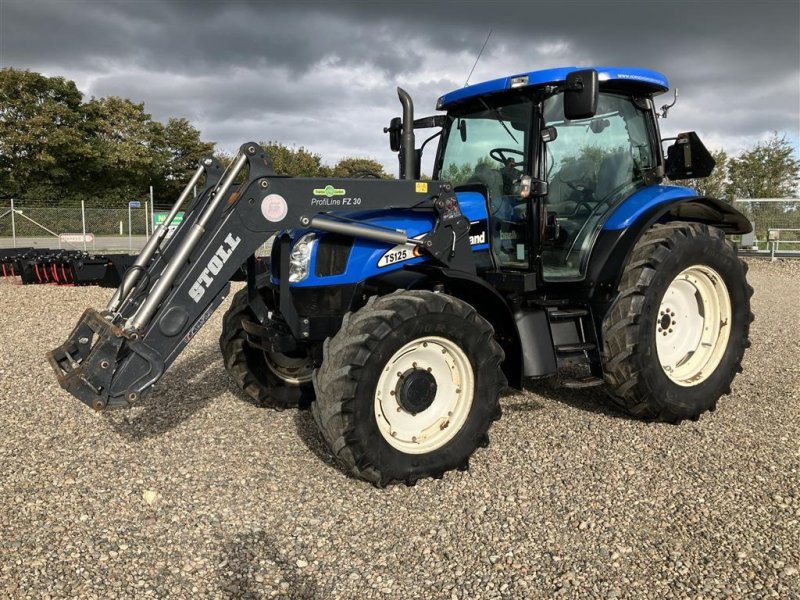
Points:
(329, 191)
(477, 239)
(213, 267)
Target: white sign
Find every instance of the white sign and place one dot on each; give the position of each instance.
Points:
(134, 204)
(76, 238)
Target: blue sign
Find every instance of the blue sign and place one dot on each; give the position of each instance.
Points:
(134, 204)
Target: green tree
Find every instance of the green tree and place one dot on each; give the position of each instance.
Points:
(768, 170)
(126, 157)
(41, 136)
(296, 162)
(358, 167)
(179, 148)
(54, 146)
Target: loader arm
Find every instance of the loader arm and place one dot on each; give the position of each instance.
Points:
(115, 356)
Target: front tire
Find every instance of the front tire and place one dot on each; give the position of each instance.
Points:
(408, 387)
(676, 334)
(272, 379)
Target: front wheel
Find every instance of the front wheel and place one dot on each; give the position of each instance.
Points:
(273, 379)
(676, 334)
(408, 387)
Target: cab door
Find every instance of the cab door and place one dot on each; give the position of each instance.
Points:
(591, 166)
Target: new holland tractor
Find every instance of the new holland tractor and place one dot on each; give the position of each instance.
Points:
(547, 245)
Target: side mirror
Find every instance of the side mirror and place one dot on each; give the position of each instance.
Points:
(580, 94)
(688, 158)
(394, 130)
(462, 129)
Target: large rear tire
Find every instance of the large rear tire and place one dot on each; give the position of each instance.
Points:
(676, 334)
(272, 379)
(408, 387)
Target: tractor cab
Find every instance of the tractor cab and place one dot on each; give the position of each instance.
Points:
(555, 152)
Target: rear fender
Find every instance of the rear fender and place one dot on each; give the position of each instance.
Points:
(614, 246)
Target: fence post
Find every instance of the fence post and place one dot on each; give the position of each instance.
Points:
(130, 234)
(13, 224)
(83, 222)
(152, 204)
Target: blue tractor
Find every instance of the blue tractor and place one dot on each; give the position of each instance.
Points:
(546, 245)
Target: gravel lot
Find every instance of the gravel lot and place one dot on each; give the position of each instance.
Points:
(199, 493)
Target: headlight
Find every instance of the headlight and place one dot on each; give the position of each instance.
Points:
(300, 257)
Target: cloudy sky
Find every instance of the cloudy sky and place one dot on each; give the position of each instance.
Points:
(323, 74)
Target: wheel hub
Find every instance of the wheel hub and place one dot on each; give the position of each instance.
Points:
(416, 390)
(693, 325)
(424, 395)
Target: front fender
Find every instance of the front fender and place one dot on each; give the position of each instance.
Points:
(488, 302)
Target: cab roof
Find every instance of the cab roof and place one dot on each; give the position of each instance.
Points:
(642, 80)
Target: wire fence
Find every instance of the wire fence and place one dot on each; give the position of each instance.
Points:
(82, 227)
(776, 224)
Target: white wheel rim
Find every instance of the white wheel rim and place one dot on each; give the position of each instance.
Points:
(440, 422)
(294, 371)
(693, 325)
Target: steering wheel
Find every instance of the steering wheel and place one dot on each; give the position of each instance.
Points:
(499, 154)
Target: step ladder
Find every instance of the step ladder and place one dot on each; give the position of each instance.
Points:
(580, 350)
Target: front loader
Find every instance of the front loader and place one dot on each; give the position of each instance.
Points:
(546, 245)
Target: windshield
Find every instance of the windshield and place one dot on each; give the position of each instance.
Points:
(488, 147)
(480, 144)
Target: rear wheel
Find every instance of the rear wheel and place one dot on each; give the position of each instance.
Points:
(676, 334)
(272, 379)
(408, 387)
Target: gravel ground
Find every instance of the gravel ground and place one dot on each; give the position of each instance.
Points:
(199, 493)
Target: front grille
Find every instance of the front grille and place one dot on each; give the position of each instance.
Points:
(332, 254)
(319, 301)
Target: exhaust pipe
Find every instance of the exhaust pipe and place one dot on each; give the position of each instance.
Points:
(408, 143)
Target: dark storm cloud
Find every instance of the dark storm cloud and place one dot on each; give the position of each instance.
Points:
(323, 74)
